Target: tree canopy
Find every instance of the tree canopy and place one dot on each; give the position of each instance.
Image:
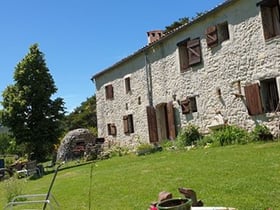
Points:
(83, 116)
(29, 111)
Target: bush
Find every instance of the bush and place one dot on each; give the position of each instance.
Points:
(13, 187)
(188, 136)
(261, 132)
(146, 148)
(229, 135)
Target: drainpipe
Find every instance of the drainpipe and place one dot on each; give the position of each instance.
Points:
(149, 79)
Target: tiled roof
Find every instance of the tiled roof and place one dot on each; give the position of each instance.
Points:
(166, 35)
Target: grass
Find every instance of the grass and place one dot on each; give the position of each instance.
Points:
(241, 176)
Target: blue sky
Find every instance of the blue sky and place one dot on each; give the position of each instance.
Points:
(82, 37)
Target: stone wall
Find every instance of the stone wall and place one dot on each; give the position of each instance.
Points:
(243, 59)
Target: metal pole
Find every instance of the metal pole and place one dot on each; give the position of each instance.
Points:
(50, 188)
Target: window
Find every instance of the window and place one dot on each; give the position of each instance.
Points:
(109, 92)
(112, 130)
(269, 94)
(270, 11)
(127, 85)
(263, 98)
(189, 105)
(128, 124)
(189, 52)
(217, 34)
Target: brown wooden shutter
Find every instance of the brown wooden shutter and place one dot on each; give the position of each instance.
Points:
(109, 92)
(125, 125)
(267, 22)
(212, 36)
(183, 52)
(130, 123)
(171, 121)
(253, 99)
(127, 85)
(152, 124)
(186, 106)
(194, 51)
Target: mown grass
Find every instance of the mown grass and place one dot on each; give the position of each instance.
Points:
(241, 176)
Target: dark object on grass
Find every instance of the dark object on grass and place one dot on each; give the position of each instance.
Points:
(191, 194)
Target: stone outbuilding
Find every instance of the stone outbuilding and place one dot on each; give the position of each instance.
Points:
(223, 67)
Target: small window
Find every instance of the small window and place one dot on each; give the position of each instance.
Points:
(127, 85)
(190, 53)
(189, 105)
(109, 92)
(263, 98)
(270, 18)
(112, 130)
(217, 34)
(128, 124)
(269, 95)
(223, 33)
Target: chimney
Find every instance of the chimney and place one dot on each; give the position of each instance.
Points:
(154, 36)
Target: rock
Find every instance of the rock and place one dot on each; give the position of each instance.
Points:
(74, 143)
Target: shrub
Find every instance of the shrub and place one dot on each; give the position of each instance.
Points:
(146, 148)
(188, 136)
(229, 135)
(13, 187)
(261, 132)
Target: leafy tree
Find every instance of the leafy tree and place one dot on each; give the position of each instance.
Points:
(177, 24)
(83, 116)
(182, 21)
(28, 110)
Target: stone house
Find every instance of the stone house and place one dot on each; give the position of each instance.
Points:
(223, 67)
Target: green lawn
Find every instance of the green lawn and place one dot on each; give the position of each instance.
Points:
(241, 176)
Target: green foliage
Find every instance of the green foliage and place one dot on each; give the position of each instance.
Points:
(5, 143)
(146, 148)
(13, 187)
(83, 116)
(261, 132)
(176, 24)
(228, 135)
(188, 136)
(182, 21)
(33, 117)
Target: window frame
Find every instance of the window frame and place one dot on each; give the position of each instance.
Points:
(217, 34)
(262, 97)
(127, 85)
(128, 124)
(190, 53)
(109, 92)
(111, 129)
(189, 105)
(270, 12)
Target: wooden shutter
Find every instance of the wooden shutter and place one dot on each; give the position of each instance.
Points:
(130, 123)
(194, 51)
(267, 22)
(125, 125)
(127, 85)
(186, 106)
(171, 121)
(253, 99)
(152, 124)
(183, 58)
(112, 130)
(212, 36)
(109, 92)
